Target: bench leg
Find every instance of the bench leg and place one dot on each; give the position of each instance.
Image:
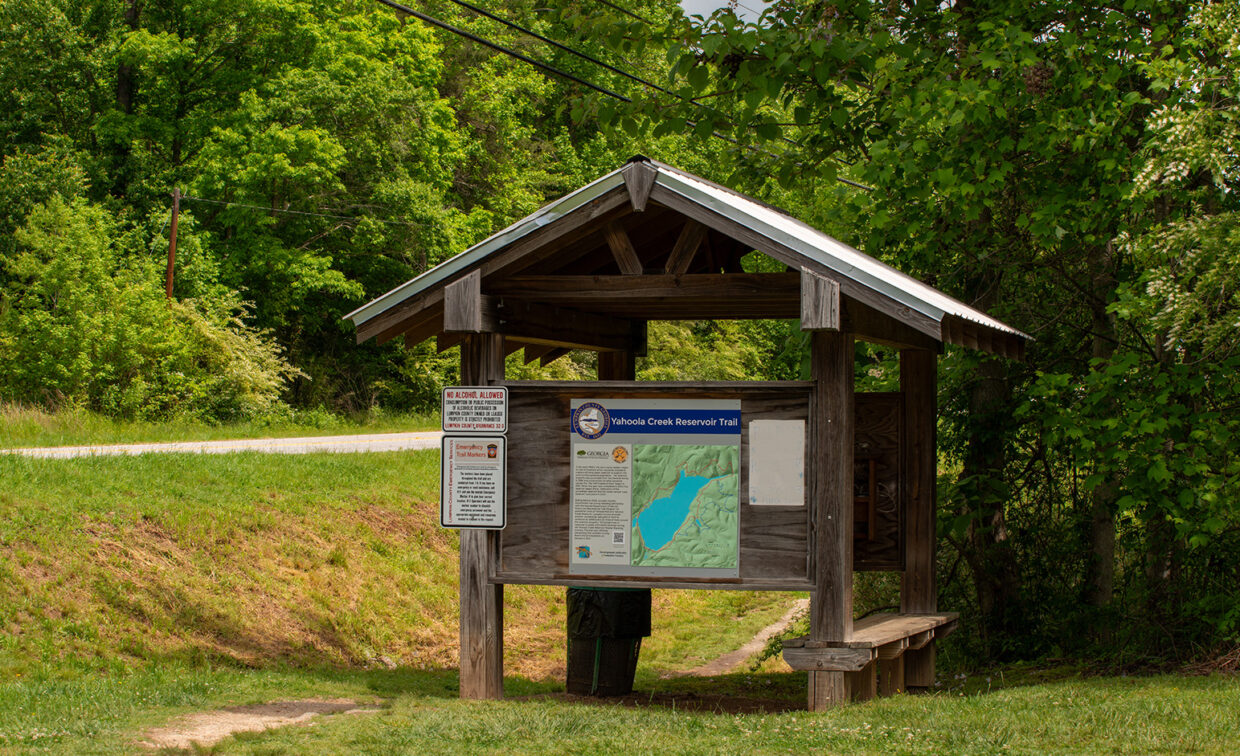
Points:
(826, 690)
(891, 676)
(919, 668)
(862, 684)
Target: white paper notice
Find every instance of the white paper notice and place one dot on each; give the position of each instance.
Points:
(777, 463)
(472, 488)
(601, 504)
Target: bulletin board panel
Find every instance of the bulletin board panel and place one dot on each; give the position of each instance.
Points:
(774, 541)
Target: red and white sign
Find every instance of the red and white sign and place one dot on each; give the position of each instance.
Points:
(472, 488)
(475, 409)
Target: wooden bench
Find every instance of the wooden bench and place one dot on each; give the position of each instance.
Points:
(874, 656)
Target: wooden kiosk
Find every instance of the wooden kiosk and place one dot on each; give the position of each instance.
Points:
(650, 242)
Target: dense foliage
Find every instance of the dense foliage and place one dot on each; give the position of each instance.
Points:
(1068, 167)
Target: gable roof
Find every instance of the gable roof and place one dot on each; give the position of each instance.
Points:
(752, 222)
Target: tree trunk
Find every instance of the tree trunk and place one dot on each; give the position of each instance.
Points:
(991, 556)
(1100, 572)
(126, 94)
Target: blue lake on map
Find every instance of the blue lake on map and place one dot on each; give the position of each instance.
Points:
(660, 521)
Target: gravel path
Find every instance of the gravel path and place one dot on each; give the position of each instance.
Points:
(370, 442)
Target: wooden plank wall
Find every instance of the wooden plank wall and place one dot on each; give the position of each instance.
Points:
(774, 546)
(878, 435)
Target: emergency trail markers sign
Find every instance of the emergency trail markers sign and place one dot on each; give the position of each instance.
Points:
(475, 409)
(474, 470)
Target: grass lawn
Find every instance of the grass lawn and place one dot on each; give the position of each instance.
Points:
(420, 714)
(22, 426)
(134, 590)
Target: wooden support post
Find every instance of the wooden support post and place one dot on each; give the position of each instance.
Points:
(891, 675)
(863, 685)
(918, 589)
(617, 366)
(482, 604)
(832, 460)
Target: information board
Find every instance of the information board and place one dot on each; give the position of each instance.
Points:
(654, 487)
(472, 486)
(474, 409)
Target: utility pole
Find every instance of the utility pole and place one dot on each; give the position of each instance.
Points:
(172, 239)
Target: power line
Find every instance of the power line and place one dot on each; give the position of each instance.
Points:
(500, 48)
(559, 45)
(185, 198)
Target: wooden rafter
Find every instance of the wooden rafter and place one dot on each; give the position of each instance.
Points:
(622, 249)
(686, 248)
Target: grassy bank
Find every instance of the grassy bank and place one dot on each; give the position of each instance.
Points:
(248, 559)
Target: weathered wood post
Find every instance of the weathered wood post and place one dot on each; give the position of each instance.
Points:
(482, 603)
(918, 588)
(832, 421)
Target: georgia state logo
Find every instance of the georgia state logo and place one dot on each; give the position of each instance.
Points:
(591, 420)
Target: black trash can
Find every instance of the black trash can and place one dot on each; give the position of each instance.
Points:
(605, 631)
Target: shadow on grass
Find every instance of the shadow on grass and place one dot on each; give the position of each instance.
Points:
(742, 693)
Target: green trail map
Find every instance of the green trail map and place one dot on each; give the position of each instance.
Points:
(685, 505)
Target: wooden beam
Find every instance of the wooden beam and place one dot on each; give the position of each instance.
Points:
(555, 237)
(665, 297)
(465, 309)
(820, 302)
(693, 296)
(482, 603)
(755, 240)
(536, 351)
(831, 451)
(419, 330)
(397, 319)
(838, 660)
(686, 247)
(622, 249)
(918, 589)
(552, 356)
(445, 341)
(871, 325)
(537, 323)
(639, 177)
(527, 251)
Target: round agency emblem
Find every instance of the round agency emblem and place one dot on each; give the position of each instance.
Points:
(591, 420)
(619, 454)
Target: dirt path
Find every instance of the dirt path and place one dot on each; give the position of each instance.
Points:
(367, 442)
(210, 727)
(730, 661)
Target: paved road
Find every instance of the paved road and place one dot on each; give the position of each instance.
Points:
(372, 442)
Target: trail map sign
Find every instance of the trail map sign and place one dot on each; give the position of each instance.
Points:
(654, 487)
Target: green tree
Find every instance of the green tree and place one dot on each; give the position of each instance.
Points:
(1010, 149)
